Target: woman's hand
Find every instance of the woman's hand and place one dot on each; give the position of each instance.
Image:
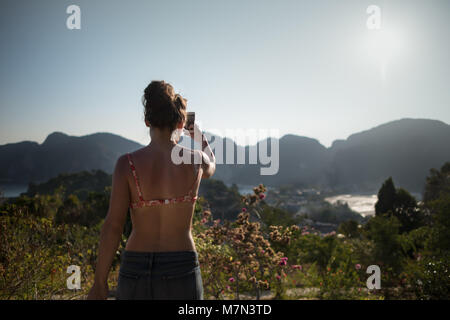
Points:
(195, 133)
(98, 292)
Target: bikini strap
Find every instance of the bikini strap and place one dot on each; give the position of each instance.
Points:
(136, 180)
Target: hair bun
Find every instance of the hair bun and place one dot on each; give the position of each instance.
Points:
(163, 108)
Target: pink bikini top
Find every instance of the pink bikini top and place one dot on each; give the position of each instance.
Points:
(148, 203)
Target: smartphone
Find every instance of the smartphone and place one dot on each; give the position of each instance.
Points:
(190, 120)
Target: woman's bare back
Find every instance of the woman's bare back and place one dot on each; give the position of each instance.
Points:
(165, 227)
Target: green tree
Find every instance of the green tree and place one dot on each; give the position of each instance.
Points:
(407, 211)
(437, 183)
(384, 232)
(276, 216)
(349, 229)
(401, 204)
(440, 237)
(70, 211)
(386, 197)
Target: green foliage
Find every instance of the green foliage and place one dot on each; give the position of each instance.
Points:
(349, 229)
(254, 250)
(429, 277)
(440, 235)
(384, 232)
(35, 254)
(386, 197)
(275, 216)
(415, 241)
(41, 236)
(335, 213)
(79, 184)
(89, 212)
(401, 204)
(341, 280)
(407, 211)
(437, 183)
(224, 202)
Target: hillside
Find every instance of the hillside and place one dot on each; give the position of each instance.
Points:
(25, 162)
(405, 149)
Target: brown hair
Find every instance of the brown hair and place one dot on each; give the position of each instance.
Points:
(163, 108)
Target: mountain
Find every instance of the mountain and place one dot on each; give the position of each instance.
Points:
(27, 161)
(405, 149)
(302, 162)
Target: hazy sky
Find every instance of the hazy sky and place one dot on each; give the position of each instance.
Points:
(311, 68)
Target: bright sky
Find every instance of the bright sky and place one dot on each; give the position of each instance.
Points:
(310, 68)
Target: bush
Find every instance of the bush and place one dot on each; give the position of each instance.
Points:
(429, 277)
(388, 250)
(35, 251)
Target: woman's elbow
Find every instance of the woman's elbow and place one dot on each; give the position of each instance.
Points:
(209, 172)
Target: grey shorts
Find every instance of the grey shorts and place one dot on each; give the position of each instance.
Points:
(173, 275)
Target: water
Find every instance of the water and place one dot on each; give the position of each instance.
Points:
(362, 203)
(12, 190)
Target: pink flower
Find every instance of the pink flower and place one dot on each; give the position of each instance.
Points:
(262, 196)
(357, 266)
(297, 267)
(244, 209)
(278, 277)
(231, 279)
(204, 220)
(283, 261)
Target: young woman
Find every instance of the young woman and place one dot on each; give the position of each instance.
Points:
(160, 260)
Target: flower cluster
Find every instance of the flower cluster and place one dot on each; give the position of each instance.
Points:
(248, 262)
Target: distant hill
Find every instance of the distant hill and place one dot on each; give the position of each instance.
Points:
(405, 149)
(79, 184)
(27, 161)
